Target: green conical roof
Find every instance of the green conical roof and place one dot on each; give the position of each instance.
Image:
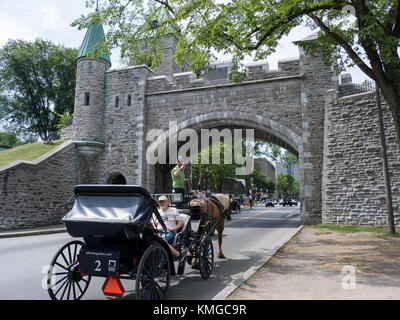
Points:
(94, 35)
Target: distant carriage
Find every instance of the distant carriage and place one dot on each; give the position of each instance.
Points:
(120, 242)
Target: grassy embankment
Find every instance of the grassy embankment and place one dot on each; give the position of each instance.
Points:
(28, 152)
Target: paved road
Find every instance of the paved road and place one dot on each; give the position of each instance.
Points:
(249, 237)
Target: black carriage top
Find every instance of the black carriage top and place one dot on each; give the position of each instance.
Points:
(117, 211)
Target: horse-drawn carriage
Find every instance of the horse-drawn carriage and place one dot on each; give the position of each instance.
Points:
(120, 242)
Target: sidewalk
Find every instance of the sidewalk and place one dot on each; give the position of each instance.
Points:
(33, 231)
(319, 264)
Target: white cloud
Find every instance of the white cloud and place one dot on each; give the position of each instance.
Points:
(12, 27)
(50, 17)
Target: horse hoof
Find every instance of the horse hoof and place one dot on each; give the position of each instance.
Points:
(221, 256)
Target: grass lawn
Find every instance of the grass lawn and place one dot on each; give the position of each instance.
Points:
(351, 229)
(28, 152)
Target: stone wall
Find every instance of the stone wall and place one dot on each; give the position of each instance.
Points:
(318, 78)
(67, 132)
(268, 102)
(353, 184)
(33, 193)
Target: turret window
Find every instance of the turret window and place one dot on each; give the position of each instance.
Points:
(129, 100)
(117, 101)
(86, 101)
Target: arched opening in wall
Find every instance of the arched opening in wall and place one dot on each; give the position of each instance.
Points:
(116, 178)
(199, 179)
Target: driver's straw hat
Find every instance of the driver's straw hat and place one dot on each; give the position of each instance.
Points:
(162, 198)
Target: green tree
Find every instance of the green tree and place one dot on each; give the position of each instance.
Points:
(274, 152)
(63, 120)
(8, 139)
(217, 172)
(287, 185)
(262, 182)
(267, 149)
(288, 159)
(243, 27)
(37, 80)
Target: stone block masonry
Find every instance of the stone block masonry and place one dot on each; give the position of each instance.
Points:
(353, 183)
(32, 194)
(337, 140)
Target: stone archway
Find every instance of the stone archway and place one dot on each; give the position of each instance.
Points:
(264, 128)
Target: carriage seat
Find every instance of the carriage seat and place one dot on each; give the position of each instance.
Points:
(184, 231)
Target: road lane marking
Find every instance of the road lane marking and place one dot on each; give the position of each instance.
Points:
(248, 217)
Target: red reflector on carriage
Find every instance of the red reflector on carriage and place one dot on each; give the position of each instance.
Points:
(113, 287)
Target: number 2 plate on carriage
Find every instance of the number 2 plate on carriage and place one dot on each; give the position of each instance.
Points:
(95, 261)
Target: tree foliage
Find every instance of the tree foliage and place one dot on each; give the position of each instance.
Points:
(217, 172)
(365, 33)
(8, 139)
(37, 79)
(267, 149)
(262, 182)
(63, 119)
(274, 152)
(287, 185)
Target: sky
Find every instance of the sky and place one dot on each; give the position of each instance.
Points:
(51, 20)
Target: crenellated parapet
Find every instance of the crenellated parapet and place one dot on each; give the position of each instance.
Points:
(218, 74)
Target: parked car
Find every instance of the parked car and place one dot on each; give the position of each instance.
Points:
(269, 203)
(294, 202)
(287, 202)
(280, 202)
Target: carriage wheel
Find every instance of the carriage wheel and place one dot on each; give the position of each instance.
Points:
(153, 274)
(64, 280)
(206, 258)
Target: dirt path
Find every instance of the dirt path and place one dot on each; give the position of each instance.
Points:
(325, 264)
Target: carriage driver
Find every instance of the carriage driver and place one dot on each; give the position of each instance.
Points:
(173, 223)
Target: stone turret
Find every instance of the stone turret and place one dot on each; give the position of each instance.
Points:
(90, 86)
(167, 45)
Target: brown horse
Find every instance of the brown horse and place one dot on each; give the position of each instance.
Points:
(211, 209)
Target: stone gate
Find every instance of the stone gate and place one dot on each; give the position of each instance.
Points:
(295, 107)
(118, 107)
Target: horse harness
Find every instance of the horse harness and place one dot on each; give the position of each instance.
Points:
(219, 205)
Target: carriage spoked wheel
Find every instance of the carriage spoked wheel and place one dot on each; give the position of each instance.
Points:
(64, 279)
(153, 274)
(206, 258)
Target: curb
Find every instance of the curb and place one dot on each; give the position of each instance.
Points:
(31, 233)
(225, 293)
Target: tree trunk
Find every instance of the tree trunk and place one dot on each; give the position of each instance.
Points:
(388, 190)
(391, 93)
